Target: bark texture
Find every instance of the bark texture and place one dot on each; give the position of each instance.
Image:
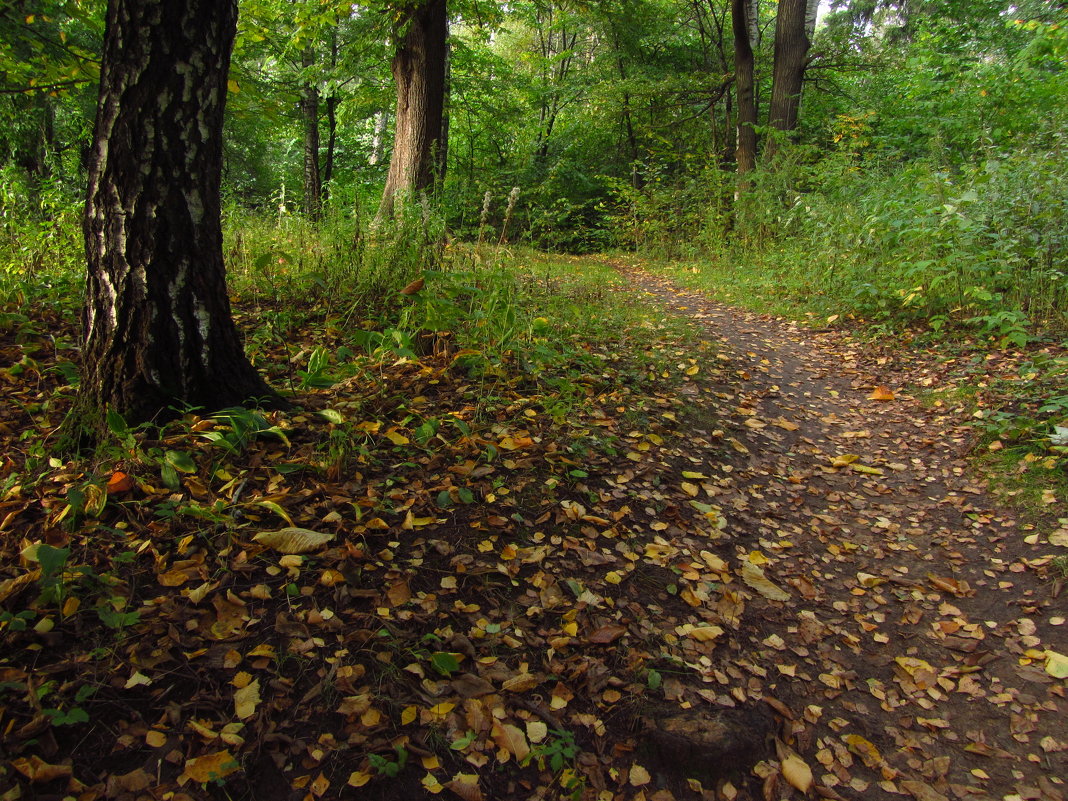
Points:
(791, 58)
(419, 74)
(158, 325)
(309, 107)
(743, 22)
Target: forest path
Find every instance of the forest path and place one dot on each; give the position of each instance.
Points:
(909, 654)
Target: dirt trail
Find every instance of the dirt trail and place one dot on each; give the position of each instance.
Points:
(908, 653)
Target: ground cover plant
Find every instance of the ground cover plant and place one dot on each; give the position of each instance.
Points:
(632, 401)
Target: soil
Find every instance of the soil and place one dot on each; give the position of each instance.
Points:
(776, 570)
(909, 657)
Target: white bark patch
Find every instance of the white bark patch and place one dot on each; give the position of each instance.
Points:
(173, 291)
(195, 205)
(204, 327)
(184, 71)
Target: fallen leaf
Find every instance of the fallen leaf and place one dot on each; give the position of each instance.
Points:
(465, 785)
(797, 773)
(753, 576)
(607, 634)
(1057, 665)
(510, 739)
(120, 482)
(293, 540)
(247, 699)
(843, 459)
(639, 776)
(922, 791)
(705, 633)
(863, 749)
(209, 767)
(38, 771)
(881, 393)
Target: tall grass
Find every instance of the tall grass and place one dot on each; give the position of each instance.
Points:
(982, 244)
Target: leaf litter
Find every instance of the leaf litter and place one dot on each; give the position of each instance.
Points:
(695, 586)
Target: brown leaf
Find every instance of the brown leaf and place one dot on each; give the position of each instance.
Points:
(922, 791)
(414, 286)
(465, 785)
(511, 739)
(607, 634)
(399, 593)
(38, 771)
(471, 686)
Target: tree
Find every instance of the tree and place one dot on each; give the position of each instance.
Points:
(419, 73)
(309, 106)
(158, 326)
(744, 25)
(794, 26)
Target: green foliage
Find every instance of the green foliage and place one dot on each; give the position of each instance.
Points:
(388, 767)
(557, 752)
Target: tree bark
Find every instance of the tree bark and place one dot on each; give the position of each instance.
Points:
(743, 23)
(791, 58)
(419, 73)
(158, 327)
(309, 106)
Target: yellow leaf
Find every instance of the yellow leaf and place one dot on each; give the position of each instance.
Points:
(209, 767)
(278, 510)
(871, 471)
(713, 561)
(757, 558)
(233, 86)
(691, 474)
(863, 749)
(293, 540)
(797, 773)
(441, 710)
(409, 714)
(536, 731)
(396, 438)
(431, 784)
(358, 778)
(155, 738)
(881, 393)
(690, 489)
(639, 776)
(137, 678)
(612, 577)
(246, 700)
(843, 459)
(1057, 665)
(705, 633)
(755, 578)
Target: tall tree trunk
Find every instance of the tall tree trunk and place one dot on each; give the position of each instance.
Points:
(331, 121)
(743, 23)
(419, 73)
(158, 325)
(309, 106)
(791, 58)
(378, 139)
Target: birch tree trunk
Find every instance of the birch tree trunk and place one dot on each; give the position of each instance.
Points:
(157, 322)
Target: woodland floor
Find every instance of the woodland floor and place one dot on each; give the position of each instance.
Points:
(782, 565)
